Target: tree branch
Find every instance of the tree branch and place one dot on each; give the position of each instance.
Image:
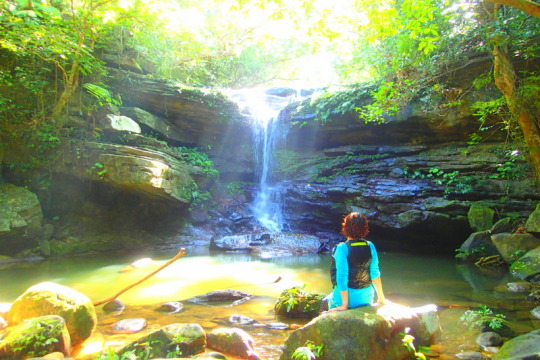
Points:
(527, 6)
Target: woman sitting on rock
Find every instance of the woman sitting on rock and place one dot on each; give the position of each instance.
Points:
(355, 268)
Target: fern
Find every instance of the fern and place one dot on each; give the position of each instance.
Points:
(102, 95)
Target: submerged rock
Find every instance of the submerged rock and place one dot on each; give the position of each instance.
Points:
(226, 295)
(238, 319)
(519, 287)
(128, 326)
(536, 312)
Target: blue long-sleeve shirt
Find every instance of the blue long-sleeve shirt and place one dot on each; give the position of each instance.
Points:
(357, 297)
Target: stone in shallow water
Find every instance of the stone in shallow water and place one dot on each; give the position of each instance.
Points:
(470, 355)
(223, 295)
(519, 287)
(172, 307)
(239, 319)
(127, 326)
(536, 312)
(489, 339)
(114, 305)
(277, 326)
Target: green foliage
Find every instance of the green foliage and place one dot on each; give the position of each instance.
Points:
(487, 110)
(331, 102)
(386, 102)
(408, 342)
(102, 95)
(195, 157)
(453, 182)
(237, 187)
(309, 351)
(215, 99)
(474, 139)
(513, 166)
(473, 254)
(516, 255)
(43, 338)
(200, 197)
(300, 295)
(98, 169)
(483, 317)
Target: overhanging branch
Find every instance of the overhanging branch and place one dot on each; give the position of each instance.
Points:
(527, 6)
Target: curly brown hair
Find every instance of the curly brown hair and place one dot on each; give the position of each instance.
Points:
(355, 226)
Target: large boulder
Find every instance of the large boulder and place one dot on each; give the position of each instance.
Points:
(480, 217)
(512, 246)
(20, 219)
(233, 341)
(35, 337)
(533, 221)
(150, 172)
(477, 245)
(366, 333)
(526, 346)
(180, 339)
(48, 298)
(528, 266)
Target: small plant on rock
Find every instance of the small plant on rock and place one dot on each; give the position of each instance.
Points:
(408, 342)
(483, 317)
(298, 301)
(309, 351)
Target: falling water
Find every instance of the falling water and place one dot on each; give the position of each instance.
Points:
(265, 113)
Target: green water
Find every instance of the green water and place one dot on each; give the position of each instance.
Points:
(407, 279)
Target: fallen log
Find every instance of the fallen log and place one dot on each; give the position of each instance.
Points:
(181, 253)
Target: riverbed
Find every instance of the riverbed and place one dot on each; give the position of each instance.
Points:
(412, 280)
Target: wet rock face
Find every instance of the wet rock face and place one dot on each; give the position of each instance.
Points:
(415, 197)
(199, 118)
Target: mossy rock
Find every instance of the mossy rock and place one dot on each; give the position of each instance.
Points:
(181, 339)
(48, 298)
(35, 337)
(480, 217)
(297, 302)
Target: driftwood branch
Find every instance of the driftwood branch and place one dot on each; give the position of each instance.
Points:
(111, 298)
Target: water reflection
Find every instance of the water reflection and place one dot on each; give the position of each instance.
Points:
(408, 279)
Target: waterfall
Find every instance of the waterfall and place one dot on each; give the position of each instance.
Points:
(264, 111)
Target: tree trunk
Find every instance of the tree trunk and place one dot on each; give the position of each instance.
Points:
(71, 84)
(505, 79)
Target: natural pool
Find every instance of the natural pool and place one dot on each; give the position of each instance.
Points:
(412, 280)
